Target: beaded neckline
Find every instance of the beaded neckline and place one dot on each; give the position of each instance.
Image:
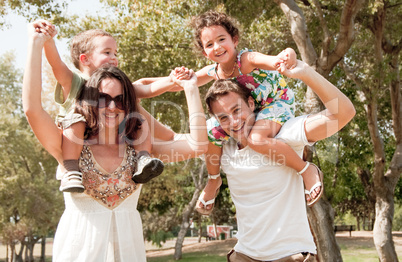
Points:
(109, 189)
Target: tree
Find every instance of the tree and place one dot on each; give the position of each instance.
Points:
(378, 78)
(31, 202)
(44, 9)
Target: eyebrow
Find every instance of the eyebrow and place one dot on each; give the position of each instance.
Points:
(231, 109)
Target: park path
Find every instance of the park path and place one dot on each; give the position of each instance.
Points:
(191, 243)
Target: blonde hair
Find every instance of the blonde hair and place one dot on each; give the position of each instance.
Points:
(83, 43)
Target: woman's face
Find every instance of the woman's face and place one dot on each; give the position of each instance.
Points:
(111, 109)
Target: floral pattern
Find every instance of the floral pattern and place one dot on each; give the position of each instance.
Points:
(273, 99)
(109, 189)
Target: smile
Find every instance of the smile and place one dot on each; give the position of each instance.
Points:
(238, 129)
(220, 54)
(111, 116)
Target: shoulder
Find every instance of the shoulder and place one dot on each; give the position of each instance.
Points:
(206, 74)
(293, 132)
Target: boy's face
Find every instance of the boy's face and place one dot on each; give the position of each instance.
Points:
(104, 53)
(235, 115)
(218, 44)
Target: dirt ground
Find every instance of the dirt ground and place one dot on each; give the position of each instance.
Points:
(359, 239)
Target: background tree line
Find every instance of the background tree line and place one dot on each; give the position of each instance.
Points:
(355, 44)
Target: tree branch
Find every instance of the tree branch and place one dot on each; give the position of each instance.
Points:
(327, 35)
(298, 29)
(346, 33)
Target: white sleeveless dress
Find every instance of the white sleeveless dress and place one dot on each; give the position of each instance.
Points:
(102, 224)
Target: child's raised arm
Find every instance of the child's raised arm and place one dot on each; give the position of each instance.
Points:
(151, 87)
(284, 60)
(60, 70)
(154, 86)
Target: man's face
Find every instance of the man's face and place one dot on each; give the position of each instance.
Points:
(235, 116)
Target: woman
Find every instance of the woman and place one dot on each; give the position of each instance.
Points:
(103, 224)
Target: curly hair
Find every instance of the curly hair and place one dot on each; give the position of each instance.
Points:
(212, 18)
(223, 87)
(87, 103)
(83, 43)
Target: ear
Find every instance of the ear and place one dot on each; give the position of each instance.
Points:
(84, 59)
(251, 103)
(235, 40)
(205, 54)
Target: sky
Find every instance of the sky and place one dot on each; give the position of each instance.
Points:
(15, 38)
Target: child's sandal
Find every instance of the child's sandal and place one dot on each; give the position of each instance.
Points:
(203, 210)
(316, 185)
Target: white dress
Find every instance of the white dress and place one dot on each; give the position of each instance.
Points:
(102, 224)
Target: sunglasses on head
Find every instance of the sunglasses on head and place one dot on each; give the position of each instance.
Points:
(105, 100)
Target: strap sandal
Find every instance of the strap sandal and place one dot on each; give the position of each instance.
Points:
(72, 182)
(316, 185)
(203, 210)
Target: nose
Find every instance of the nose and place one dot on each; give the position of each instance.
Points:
(216, 46)
(112, 105)
(234, 120)
(113, 58)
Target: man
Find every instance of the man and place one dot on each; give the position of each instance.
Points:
(269, 197)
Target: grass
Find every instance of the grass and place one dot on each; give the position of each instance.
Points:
(190, 257)
(352, 249)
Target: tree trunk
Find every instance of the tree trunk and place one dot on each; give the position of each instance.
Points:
(321, 218)
(43, 249)
(321, 215)
(185, 225)
(188, 211)
(384, 184)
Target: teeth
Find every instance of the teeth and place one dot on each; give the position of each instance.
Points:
(235, 130)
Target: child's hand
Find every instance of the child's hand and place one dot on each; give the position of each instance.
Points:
(286, 59)
(45, 27)
(41, 30)
(298, 71)
(181, 73)
(187, 78)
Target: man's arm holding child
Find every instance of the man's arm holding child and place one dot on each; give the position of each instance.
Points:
(338, 111)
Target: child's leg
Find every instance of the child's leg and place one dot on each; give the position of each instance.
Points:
(73, 138)
(217, 137)
(207, 198)
(261, 140)
(147, 166)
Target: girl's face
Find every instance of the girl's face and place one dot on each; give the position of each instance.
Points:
(111, 106)
(218, 44)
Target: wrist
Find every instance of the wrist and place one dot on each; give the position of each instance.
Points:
(36, 43)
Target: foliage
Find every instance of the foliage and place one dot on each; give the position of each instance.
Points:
(31, 203)
(32, 10)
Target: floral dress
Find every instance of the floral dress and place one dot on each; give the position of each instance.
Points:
(273, 99)
(103, 223)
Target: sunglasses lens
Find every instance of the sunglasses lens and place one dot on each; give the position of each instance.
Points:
(118, 100)
(105, 100)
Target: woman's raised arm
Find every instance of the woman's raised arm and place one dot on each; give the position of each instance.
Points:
(40, 121)
(193, 144)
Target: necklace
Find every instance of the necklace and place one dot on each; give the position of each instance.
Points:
(231, 73)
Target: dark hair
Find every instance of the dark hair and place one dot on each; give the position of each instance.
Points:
(83, 43)
(211, 18)
(87, 102)
(223, 87)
